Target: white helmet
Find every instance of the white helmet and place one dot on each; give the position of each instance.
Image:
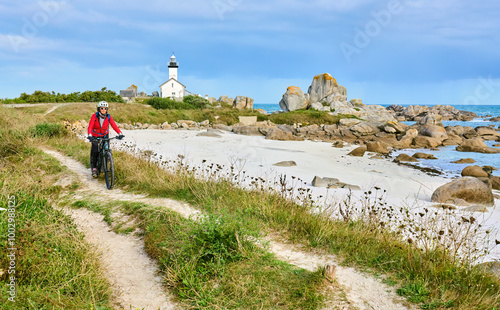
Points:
(102, 104)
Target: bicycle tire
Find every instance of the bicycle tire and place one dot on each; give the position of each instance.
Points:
(109, 170)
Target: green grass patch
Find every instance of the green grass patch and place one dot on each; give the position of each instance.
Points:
(49, 130)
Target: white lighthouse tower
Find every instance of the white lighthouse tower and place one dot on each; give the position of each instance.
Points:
(172, 68)
(172, 88)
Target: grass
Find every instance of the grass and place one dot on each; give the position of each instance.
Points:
(54, 267)
(361, 243)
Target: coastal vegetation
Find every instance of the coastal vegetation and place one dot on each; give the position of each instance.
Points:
(202, 258)
(50, 97)
(188, 103)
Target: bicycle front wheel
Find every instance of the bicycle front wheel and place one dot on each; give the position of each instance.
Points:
(109, 170)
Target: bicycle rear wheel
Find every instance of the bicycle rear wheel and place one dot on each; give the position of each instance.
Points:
(109, 170)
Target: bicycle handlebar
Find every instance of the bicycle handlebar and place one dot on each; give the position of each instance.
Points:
(106, 139)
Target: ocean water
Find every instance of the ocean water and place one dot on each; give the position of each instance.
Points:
(446, 154)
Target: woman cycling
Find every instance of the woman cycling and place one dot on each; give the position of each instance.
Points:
(99, 128)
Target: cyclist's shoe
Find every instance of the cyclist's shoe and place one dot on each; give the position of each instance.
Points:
(94, 172)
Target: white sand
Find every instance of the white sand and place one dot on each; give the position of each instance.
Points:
(256, 156)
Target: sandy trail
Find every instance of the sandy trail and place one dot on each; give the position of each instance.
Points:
(141, 288)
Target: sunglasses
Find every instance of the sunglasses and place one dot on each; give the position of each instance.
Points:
(103, 108)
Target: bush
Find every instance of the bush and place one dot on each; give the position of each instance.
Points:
(196, 102)
(188, 103)
(88, 96)
(49, 130)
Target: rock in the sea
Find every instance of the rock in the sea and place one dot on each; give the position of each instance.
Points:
(433, 131)
(470, 189)
(293, 99)
(427, 142)
(419, 155)
(405, 157)
(487, 131)
(474, 171)
(464, 161)
(431, 119)
(476, 145)
(359, 151)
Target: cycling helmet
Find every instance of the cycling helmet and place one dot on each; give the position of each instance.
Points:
(102, 104)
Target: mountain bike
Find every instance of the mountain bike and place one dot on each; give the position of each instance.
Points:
(105, 161)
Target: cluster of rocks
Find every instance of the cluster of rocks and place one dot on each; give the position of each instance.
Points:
(417, 112)
(180, 124)
(325, 94)
(76, 127)
(239, 102)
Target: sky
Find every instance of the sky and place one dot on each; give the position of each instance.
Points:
(384, 52)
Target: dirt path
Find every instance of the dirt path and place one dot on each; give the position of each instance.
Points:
(132, 274)
(361, 291)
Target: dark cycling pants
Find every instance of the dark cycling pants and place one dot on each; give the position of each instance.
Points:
(94, 152)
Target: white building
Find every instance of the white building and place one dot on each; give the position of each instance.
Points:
(172, 88)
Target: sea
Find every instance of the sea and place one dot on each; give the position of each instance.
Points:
(446, 154)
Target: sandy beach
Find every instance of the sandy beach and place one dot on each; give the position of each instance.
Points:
(254, 156)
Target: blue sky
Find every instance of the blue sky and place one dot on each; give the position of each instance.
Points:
(385, 52)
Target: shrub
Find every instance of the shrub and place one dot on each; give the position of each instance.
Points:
(88, 96)
(49, 130)
(196, 102)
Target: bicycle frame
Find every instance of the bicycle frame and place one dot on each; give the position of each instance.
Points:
(105, 161)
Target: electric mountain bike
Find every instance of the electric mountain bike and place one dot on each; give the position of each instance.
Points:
(105, 161)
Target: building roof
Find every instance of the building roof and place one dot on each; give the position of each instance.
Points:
(173, 80)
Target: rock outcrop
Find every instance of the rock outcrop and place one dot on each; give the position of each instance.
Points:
(417, 112)
(325, 89)
(476, 145)
(293, 99)
(242, 102)
(225, 99)
(469, 189)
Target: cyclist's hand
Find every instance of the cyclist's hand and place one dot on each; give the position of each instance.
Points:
(121, 136)
(91, 138)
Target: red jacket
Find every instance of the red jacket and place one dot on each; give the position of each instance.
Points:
(95, 128)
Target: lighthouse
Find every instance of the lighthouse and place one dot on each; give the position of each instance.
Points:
(172, 68)
(172, 88)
